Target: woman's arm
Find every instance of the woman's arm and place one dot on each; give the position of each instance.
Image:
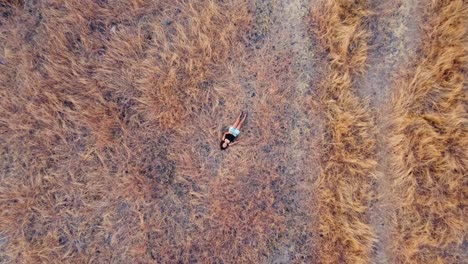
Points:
(234, 143)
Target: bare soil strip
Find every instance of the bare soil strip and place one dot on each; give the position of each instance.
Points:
(394, 41)
(276, 76)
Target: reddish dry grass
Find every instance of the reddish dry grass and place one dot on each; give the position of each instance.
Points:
(429, 143)
(111, 112)
(92, 94)
(344, 186)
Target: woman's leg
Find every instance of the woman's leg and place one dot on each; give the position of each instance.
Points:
(237, 120)
(239, 125)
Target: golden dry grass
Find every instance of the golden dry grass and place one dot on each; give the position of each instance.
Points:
(92, 93)
(111, 113)
(429, 142)
(344, 186)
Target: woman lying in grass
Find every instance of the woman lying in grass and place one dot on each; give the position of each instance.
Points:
(229, 138)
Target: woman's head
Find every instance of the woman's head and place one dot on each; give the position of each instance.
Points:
(224, 144)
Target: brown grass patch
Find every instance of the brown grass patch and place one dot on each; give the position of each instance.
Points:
(111, 114)
(429, 143)
(248, 222)
(348, 145)
(92, 95)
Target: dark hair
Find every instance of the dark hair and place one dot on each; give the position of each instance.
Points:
(221, 145)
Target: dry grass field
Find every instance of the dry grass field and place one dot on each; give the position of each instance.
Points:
(355, 149)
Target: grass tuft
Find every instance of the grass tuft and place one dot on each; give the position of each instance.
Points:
(344, 186)
(429, 143)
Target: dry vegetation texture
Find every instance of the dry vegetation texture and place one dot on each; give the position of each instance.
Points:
(111, 113)
(344, 186)
(92, 95)
(429, 144)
